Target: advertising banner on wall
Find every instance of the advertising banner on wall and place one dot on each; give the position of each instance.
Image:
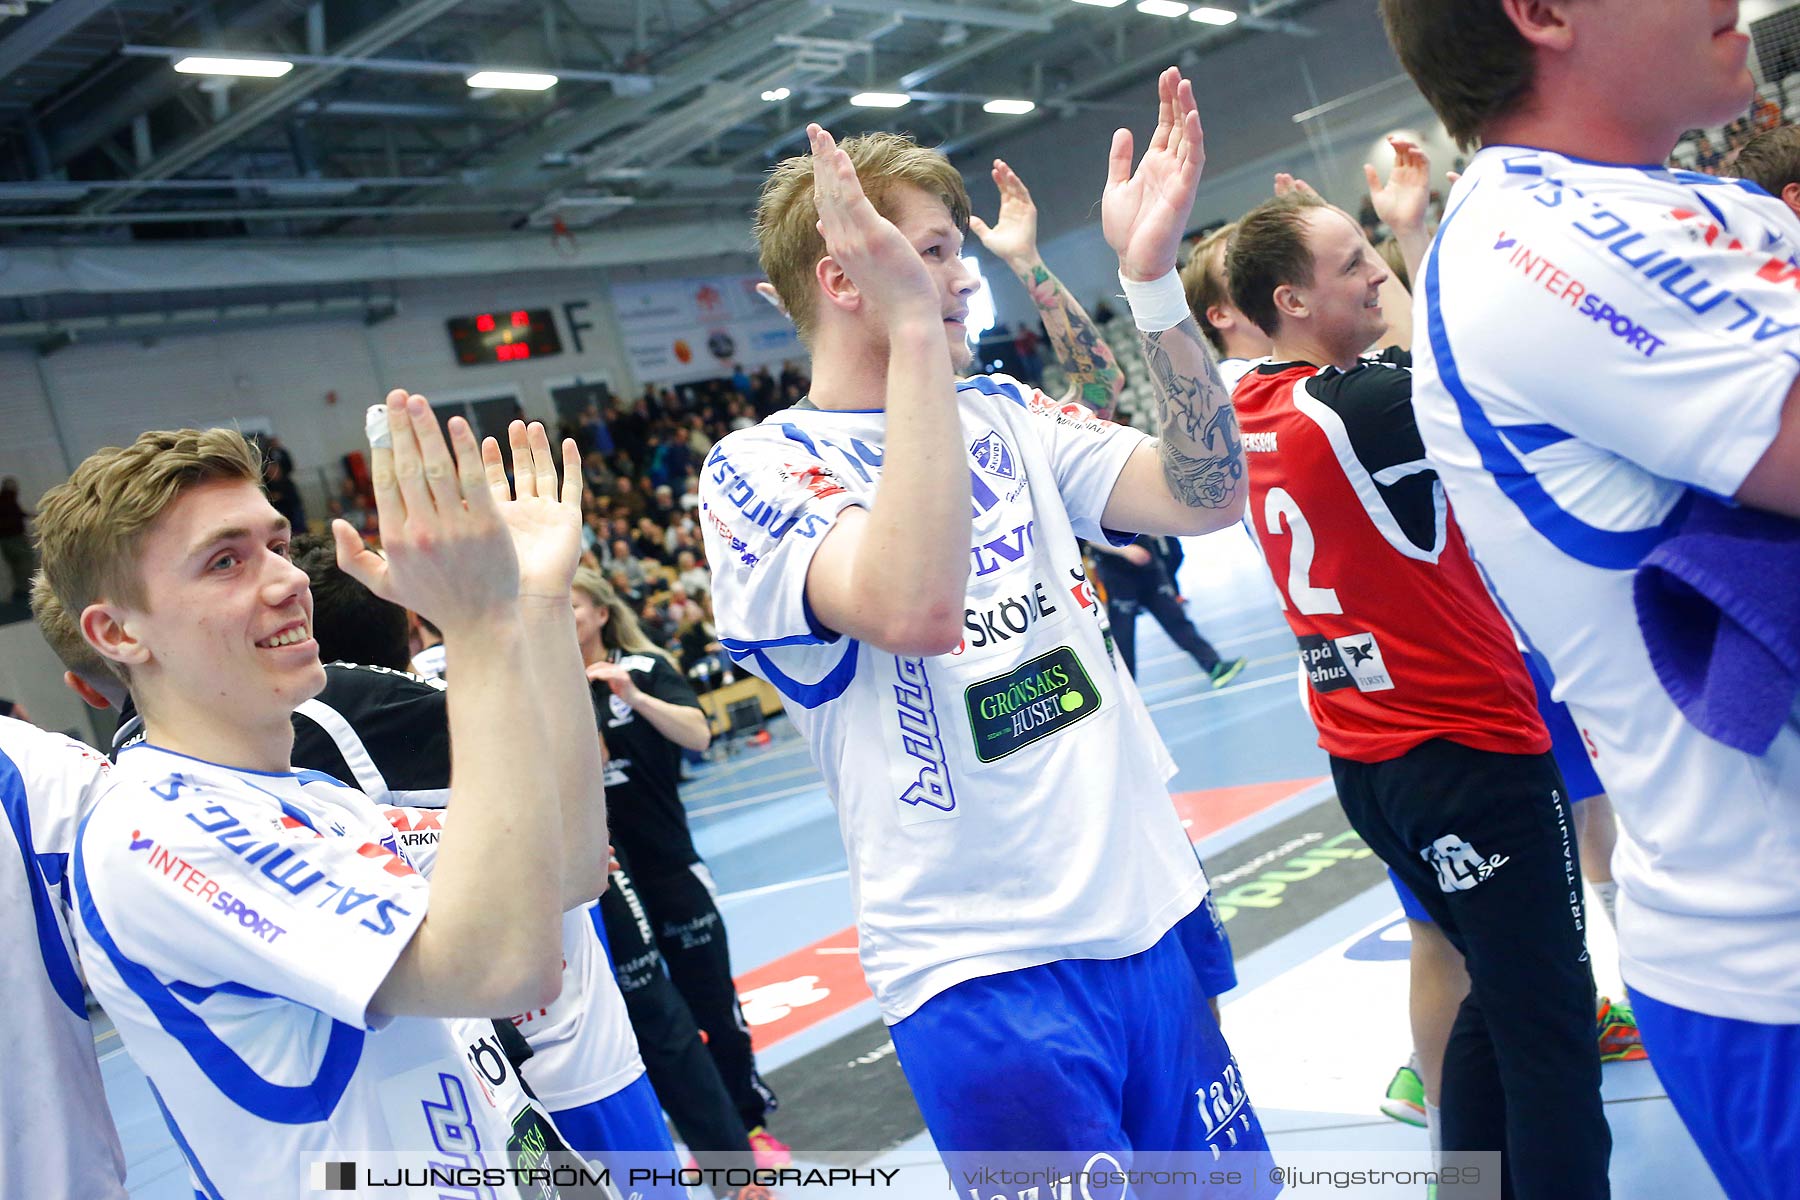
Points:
(679, 330)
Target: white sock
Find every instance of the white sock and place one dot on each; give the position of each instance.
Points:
(1609, 900)
(1434, 1130)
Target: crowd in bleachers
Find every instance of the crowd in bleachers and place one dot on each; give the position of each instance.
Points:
(641, 460)
(1713, 150)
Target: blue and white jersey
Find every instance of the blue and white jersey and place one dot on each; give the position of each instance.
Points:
(1001, 806)
(582, 1045)
(235, 925)
(56, 1133)
(1594, 342)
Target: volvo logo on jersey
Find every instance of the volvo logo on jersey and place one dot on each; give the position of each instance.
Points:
(1354, 661)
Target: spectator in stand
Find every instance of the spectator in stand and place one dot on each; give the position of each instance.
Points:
(594, 434)
(274, 451)
(1025, 346)
(623, 562)
(740, 380)
(691, 574)
(1765, 114)
(631, 431)
(673, 458)
(1706, 155)
(762, 388)
(690, 499)
(15, 545)
(662, 504)
(593, 531)
(650, 542)
(699, 441)
(596, 473)
(628, 500)
(702, 655)
(283, 495)
(620, 580)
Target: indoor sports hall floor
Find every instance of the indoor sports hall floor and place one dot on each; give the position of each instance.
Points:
(1318, 1022)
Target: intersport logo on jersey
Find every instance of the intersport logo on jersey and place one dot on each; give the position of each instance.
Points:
(1564, 286)
(1724, 291)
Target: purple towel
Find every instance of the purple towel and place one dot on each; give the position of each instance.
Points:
(1719, 608)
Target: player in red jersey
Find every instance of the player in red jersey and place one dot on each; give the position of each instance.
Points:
(1419, 694)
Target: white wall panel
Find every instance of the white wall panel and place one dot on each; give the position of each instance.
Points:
(29, 449)
(308, 382)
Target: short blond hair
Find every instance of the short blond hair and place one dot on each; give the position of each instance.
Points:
(89, 527)
(787, 218)
(1206, 287)
(64, 636)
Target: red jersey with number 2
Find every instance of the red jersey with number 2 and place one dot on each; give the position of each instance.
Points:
(1400, 641)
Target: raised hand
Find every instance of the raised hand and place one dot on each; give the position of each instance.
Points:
(1012, 238)
(1402, 201)
(875, 255)
(1285, 183)
(446, 553)
(543, 517)
(1144, 212)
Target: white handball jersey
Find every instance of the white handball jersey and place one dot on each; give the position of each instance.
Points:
(1595, 341)
(1000, 806)
(56, 1132)
(1233, 369)
(235, 925)
(583, 1048)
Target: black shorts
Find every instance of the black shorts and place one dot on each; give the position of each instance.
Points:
(1446, 819)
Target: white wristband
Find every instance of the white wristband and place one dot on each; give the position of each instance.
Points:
(1156, 304)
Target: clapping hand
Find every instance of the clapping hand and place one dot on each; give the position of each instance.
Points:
(543, 516)
(873, 254)
(1012, 238)
(1145, 212)
(446, 552)
(1402, 201)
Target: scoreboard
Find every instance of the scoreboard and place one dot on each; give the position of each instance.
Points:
(500, 337)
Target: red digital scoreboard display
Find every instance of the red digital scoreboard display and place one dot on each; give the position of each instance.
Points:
(500, 337)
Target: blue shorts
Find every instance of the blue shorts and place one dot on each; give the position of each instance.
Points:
(1209, 949)
(1566, 744)
(1409, 903)
(1060, 1063)
(625, 1131)
(1735, 1087)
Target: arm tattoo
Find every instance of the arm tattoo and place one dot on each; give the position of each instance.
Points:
(1202, 456)
(1080, 350)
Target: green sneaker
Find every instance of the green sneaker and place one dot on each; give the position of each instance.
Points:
(1405, 1099)
(1619, 1037)
(1225, 672)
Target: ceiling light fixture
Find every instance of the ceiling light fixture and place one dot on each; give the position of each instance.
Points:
(1102, 3)
(512, 81)
(1212, 16)
(1162, 8)
(1008, 108)
(774, 94)
(258, 68)
(881, 99)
